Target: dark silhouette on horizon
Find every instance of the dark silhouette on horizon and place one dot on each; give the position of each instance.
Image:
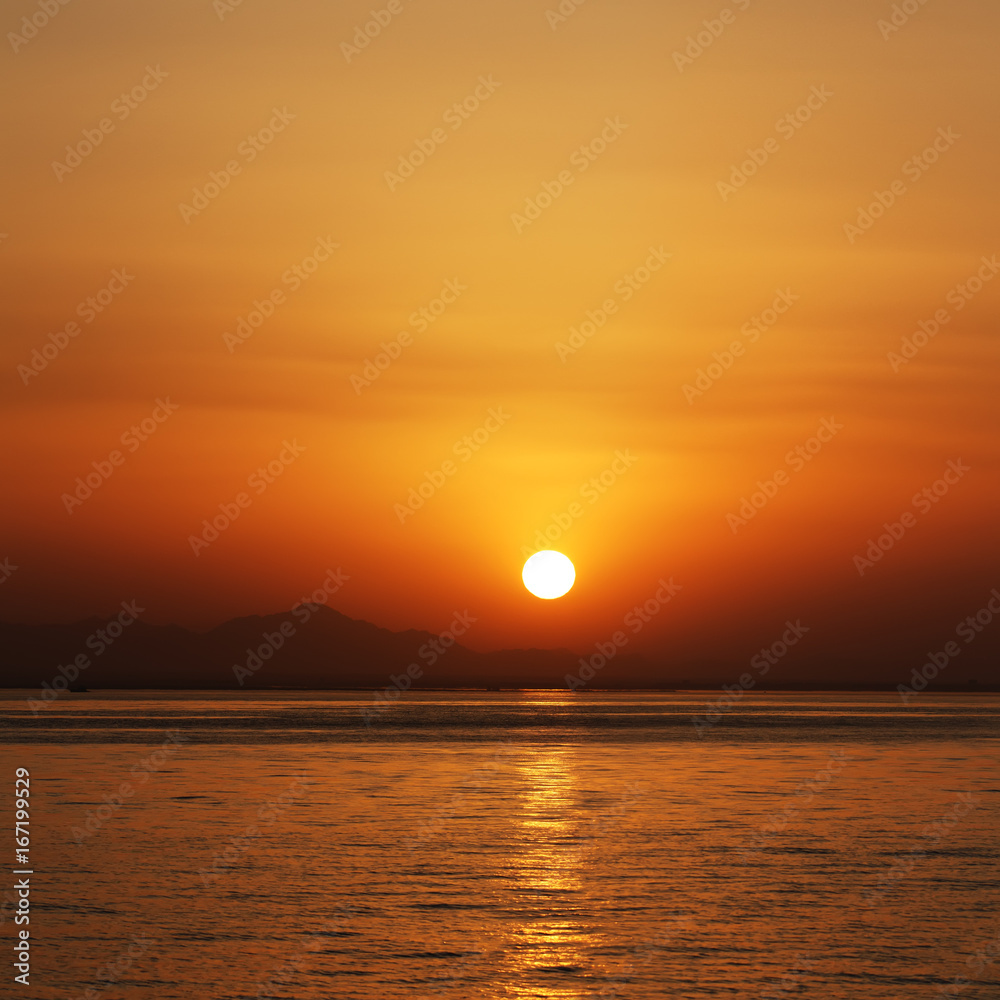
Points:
(315, 647)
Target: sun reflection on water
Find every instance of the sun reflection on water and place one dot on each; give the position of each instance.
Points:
(551, 936)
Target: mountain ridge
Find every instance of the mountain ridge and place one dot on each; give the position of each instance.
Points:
(316, 647)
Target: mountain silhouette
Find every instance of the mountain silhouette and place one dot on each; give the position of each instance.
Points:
(314, 647)
(311, 646)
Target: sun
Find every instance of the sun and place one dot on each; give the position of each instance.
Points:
(548, 574)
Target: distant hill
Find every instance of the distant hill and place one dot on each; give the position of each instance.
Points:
(314, 647)
(311, 646)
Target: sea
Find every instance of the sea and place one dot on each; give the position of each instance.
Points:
(516, 844)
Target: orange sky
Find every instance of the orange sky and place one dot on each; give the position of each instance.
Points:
(589, 177)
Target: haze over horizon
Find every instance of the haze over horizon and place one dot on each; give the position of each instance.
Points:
(717, 315)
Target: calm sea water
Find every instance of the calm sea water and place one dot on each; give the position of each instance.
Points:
(523, 844)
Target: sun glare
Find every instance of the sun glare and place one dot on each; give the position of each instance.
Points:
(548, 574)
